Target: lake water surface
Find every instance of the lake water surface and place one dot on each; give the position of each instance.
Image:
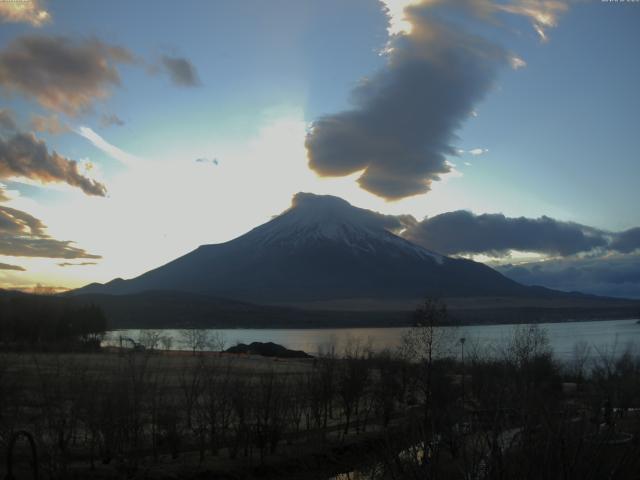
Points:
(602, 336)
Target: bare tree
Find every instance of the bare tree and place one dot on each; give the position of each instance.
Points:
(191, 382)
(217, 341)
(527, 343)
(167, 342)
(149, 339)
(352, 381)
(195, 339)
(425, 342)
(579, 360)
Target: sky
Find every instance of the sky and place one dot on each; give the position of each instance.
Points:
(133, 132)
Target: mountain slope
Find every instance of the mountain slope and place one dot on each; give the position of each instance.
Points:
(321, 248)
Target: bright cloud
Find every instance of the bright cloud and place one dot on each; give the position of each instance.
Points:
(24, 11)
(478, 151)
(111, 150)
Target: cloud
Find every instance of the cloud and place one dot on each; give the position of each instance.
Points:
(23, 155)
(17, 268)
(7, 119)
(403, 121)
(181, 71)
(478, 151)
(81, 264)
(213, 161)
(16, 222)
(617, 276)
(394, 10)
(462, 232)
(22, 235)
(50, 124)
(627, 241)
(111, 150)
(60, 74)
(517, 63)
(542, 14)
(474, 151)
(23, 11)
(109, 120)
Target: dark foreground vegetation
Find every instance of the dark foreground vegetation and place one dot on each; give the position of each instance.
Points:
(45, 322)
(439, 407)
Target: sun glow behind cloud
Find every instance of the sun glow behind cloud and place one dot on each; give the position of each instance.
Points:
(398, 23)
(160, 208)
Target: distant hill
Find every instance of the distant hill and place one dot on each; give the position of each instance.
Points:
(171, 309)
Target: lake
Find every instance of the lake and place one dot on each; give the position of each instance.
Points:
(602, 336)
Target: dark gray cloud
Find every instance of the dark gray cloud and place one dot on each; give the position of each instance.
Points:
(404, 119)
(582, 258)
(7, 119)
(17, 268)
(627, 241)
(49, 124)
(212, 161)
(462, 232)
(23, 235)
(181, 71)
(61, 74)
(23, 155)
(616, 276)
(109, 120)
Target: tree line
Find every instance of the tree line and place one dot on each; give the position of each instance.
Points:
(48, 322)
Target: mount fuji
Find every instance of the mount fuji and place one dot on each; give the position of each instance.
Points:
(321, 248)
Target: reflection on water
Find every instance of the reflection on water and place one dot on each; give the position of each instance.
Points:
(602, 336)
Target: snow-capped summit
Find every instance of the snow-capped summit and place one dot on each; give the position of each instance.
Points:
(324, 218)
(321, 248)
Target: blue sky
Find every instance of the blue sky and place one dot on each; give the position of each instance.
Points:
(557, 136)
(565, 127)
